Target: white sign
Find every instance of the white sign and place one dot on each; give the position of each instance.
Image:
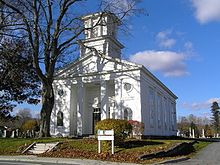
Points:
(105, 135)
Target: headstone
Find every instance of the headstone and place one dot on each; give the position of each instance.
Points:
(4, 133)
(178, 133)
(190, 133)
(27, 134)
(193, 133)
(17, 133)
(32, 133)
(217, 135)
(203, 133)
(12, 134)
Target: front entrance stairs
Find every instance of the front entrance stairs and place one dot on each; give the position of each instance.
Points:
(39, 148)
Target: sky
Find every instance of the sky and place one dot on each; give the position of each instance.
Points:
(179, 42)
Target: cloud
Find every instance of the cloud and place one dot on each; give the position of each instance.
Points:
(164, 39)
(200, 105)
(206, 10)
(171, 64)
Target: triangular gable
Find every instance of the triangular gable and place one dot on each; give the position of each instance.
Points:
(95, 64)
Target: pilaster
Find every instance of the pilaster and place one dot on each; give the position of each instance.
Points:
(80, 106)
(118, 98)
(104, 102)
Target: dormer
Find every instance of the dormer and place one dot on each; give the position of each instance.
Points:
(101, 33)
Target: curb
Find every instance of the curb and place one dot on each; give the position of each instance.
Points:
(174, 160)
(33, 158)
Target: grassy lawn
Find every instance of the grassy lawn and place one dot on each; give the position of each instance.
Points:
(129, 151)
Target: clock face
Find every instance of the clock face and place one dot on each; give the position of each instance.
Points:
(128, 87)
(60, 92)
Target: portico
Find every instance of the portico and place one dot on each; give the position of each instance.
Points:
(94, 102)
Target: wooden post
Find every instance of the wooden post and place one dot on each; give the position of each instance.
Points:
(99, 146)
(112, 147)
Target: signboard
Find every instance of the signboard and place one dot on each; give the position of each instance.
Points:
(105, 135)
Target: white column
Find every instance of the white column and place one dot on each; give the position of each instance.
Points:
(104, 102)
(118, 98)
(73, 111)
(80, 106)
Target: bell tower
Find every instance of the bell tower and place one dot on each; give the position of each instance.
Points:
(100, 34)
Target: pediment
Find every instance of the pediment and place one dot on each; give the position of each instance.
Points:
(94, 64)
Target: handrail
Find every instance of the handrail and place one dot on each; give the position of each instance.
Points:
(50, 149)
(28, 147)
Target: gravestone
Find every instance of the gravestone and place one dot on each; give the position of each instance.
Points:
(4, 134)
(193, 133)
(13, 134)
(203, 133)
(190, 133)
(17, 133)
(178, 133)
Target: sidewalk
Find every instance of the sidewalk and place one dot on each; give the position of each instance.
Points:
(32, 158)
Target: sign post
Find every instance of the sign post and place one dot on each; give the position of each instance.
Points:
(105, 135)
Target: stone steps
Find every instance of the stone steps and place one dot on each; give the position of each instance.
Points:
(39, 148)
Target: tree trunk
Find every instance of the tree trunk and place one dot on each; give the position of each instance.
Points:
(47, 107)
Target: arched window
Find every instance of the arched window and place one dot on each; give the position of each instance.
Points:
(127, 114)
(59, 118)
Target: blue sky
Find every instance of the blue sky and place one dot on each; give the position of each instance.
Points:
(179, 42)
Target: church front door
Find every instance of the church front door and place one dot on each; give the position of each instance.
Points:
(96, 118)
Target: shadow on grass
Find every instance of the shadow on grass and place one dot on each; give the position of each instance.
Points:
(178, 150)
(137, 143)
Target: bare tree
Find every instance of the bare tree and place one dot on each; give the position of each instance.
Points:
(24, 113)
(52, 29)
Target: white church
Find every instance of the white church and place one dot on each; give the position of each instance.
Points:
(101, 85)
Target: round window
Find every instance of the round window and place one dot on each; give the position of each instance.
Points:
(127, 87)
(60, 92)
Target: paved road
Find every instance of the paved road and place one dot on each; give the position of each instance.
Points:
(208, 156)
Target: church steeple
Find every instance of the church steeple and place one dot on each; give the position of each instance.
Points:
(101, 34)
